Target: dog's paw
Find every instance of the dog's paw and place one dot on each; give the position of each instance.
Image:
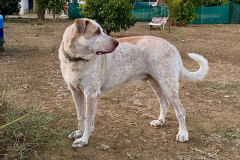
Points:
(182, 135)
(157, 123)
(78, 143)
(76, 134)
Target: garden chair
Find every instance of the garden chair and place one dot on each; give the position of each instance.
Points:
(158, 21)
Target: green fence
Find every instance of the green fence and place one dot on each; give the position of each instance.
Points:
(225, 14)
(143, 4)
(218, 14)
(234, 13)
(212, 15)
(74, 10)
(144, 12)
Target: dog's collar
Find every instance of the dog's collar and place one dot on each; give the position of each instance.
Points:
(71, 59)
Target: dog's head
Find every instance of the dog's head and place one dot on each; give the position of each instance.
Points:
(86, 38)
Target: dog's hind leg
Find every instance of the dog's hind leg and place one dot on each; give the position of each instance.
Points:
(170, 87)
(162, 100)
(79, 101)
(165, 71)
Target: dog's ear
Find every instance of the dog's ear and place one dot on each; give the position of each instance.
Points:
(84, 27)
(80, 25)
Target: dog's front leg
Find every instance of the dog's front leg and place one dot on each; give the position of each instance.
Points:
(91, 107)
(78, 98)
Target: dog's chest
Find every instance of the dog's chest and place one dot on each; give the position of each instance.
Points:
(82, 76)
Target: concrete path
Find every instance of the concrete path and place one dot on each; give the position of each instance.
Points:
(47, 16)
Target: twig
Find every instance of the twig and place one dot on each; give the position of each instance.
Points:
(1, 127)
(207, 154)
(132, 124)
(140, 147)
(129, 156)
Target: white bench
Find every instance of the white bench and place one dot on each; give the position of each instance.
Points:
(158, 21)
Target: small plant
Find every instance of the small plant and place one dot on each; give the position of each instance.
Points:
(3, 91)
(39, 22)
(35, 128)
(230, 135)
(1, 43)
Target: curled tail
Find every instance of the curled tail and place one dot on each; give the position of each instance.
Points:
(198, 75)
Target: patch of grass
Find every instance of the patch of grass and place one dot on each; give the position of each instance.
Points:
(3, 91)
(224, 87)
(230, 135)
(39, 128)
(1, 44)
(39, 22)
(18, 20)
(216, 86)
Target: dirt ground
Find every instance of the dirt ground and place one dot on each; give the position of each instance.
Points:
(122, 131)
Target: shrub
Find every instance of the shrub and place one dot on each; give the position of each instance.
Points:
(112, 15)
(182, 11)
(9, 7)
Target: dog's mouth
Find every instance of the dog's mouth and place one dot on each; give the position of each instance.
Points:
(103, 52)
(114, 46)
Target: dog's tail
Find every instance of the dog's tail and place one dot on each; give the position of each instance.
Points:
(198, 75)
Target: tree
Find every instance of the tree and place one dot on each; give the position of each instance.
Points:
(182, 11)
(112, 15)
(236, 1)
(56, 6)
(41, 8)
(9, 7)
(214, 2)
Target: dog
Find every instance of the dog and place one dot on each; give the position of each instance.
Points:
(89, 72)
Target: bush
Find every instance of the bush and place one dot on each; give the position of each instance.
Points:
(182, 11)
(34, 129)
(9, 7)
(215, 2)
(236, 1)
(112, 15)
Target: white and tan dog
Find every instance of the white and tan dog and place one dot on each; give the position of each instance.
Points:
(89, 72)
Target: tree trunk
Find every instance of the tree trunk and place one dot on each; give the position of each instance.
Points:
(41, 14)
(54, 15)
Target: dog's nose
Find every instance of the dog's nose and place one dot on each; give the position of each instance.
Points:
(116, 43)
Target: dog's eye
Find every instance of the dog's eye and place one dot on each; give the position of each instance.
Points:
(98, 31)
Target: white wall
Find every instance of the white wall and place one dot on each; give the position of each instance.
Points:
(21, 9)
(24, 6)
(79, 1)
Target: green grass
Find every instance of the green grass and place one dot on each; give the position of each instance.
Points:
(230, 135)
(216, 86)
(1, 44)
(38, 129)
(3, 90)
